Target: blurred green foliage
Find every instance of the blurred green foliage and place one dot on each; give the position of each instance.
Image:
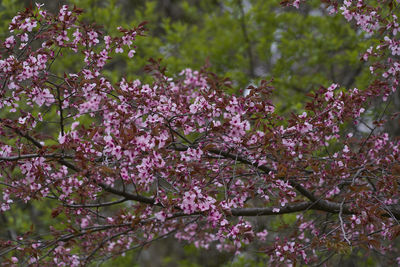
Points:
(8, 9)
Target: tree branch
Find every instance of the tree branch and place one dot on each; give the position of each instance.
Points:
(30, 156)
(246, 39)
(315, 204)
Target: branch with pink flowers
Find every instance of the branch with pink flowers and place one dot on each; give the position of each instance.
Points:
(130, 163)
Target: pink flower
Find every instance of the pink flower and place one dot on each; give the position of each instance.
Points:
(328, 95)
(191, 154)
(28, 25)
(160, 216)
(24, 37)
(63, 14)
(131, 53)
(84, 223)
(61, 138)
(262, 235)
(93, 38)
(10, 42)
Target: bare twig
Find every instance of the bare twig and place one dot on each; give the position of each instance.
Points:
(342, 223)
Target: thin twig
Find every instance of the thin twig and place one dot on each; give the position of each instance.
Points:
(342, 223)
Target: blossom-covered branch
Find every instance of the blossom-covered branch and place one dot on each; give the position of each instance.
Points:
(129, 163)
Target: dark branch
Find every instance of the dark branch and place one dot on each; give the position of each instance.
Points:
(315, 204)
(30, 156)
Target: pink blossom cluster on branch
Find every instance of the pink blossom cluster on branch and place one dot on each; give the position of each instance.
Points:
(130, 163)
